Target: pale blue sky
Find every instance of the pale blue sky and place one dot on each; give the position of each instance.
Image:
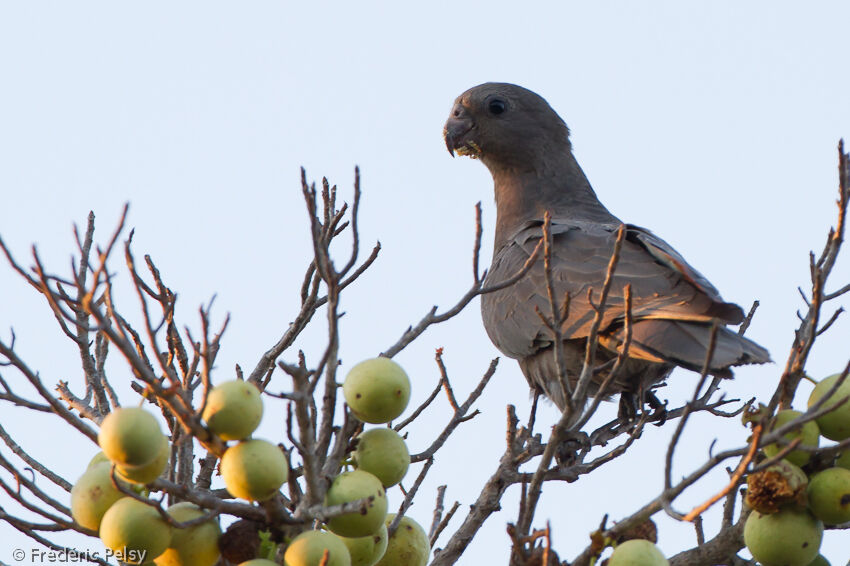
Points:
(712, 123)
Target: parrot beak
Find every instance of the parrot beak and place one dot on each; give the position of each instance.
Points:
(456, 133)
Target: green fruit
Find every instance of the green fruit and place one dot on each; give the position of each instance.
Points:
(351, 486)
(149, 472)
(308, 549)
(377, 390)
(834, 425)
(134, 531)
(820, 561)
(408, 545)
(778, 485)
(809, 433)
(234, 409)
(130, 437)
(843, 460)
(254, 470)
(790, 537)
(382, 453)
(194, 546)
(97, 459)
(93, 494)
(637, 552)
(366, 551)
(829, 496)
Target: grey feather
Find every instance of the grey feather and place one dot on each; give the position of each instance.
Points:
(526, 147)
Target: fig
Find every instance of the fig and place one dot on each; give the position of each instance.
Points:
(254, 470)
(637, 552)
(829, 496)
(366, 551)
(93, 494)
(383, 453)
(234, 409)
(134, 531)
(790, 537)
(376, 390)
(149, 472)
(809, 433)
(308, 549)
(834, 425)
(408, 545)
(351, 486)
(130, 437)
(193, 546)
(779, 484)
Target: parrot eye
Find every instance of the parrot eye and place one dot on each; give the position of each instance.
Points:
(497, 106)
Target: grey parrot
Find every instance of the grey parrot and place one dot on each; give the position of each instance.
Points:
(527, 149)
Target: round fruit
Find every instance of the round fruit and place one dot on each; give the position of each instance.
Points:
(130, 437)
(408, 545)
(308, 549)
(829, 496)
(351, 486)
(843, 460)
(135, 531)
(834, 425)
(820, 561)
(382, 453)
(809, 432)
(93, 494)
(790, 537)
(366, 551)
(194, 546)
(637, 552)
(149, 472)
(254, 469)
(234, 409)
(776, 486)
(97, 459)
(377, 390)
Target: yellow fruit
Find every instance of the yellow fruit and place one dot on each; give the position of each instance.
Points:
(637, 552)
(134, 531)
(308, 549)
(149, 472)
(130, 437)
(93, 494)
(808, 432)
(194, 546)
(382, 453)
(234, 409)
(377, 390)
(408, 545)
(790, 537)
(254, 469)
(366, 551)
(351, 486)
(834, 425)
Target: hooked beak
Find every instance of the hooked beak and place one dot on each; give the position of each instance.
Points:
(456, 133)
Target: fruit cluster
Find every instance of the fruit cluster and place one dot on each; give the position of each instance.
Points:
(110, 495)
(793, 499)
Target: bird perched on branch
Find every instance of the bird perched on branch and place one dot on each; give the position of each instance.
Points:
(526, 147)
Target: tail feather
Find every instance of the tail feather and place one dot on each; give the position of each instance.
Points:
(686, 344)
